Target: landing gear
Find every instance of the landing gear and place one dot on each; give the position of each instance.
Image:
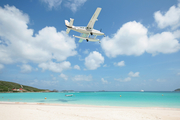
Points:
(87, 40)
(91, 33)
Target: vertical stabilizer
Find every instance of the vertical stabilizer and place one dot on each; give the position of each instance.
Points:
(71, 22)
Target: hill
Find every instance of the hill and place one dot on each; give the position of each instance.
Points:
(177, 89)
(15, 87)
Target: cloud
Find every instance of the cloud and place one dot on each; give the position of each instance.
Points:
(133, 39)
(25, 68)
(71, 4)
(55, 67)
(130, 39)
(162, 43)
(77, 67)
(178, 73)
(120, 64)
(19, 45)
(74, 4)
(104, 81)
(123, 80)
(53, 78)
(52, 3)
(131, 74)
(82, 78)
(94, 60)
(170, 18)
(1, 66)
(65, 77)
(105, 65)
(36, 69)
(176, 34)
(44, 83)
(161, 80)
(86, 51)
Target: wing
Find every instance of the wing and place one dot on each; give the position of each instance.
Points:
(93, 19)
(82, 35)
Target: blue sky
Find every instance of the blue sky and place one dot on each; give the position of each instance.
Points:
(141, 49)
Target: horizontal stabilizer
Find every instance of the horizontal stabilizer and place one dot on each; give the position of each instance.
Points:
(80, 40)
(68, 30)
(89, 39)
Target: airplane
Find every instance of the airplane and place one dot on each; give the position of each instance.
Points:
(85, 31)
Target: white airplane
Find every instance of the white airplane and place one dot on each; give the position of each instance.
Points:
(85, 31)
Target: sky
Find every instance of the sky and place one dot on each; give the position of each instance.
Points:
(141, 50)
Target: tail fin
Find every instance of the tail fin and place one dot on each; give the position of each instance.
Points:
(69, 25)
(71, 22)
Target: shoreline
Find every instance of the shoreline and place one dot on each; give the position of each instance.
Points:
(83, 105)
(29, 111)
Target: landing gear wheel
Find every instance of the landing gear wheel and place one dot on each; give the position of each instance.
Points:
(87, 40)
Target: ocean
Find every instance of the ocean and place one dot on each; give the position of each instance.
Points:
(125, 99)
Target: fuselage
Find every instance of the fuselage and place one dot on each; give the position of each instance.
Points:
(85, 30)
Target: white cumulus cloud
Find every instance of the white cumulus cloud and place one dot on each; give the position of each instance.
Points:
(19, 45)
(104, 81)
(77, 67)
(55, 67)
(120, 64)
(82, 78)
(65, 77)
(131, 74)
(162, 43)
(130, 39)
(170, 18)
(94, 60)
(123, 80)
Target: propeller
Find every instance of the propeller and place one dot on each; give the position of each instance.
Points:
(100, 30)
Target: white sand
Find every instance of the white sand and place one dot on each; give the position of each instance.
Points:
(35, 111)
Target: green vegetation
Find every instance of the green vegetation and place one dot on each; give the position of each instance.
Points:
(9, 86)
(177, 89)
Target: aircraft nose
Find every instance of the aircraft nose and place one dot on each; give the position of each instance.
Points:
(102, 33)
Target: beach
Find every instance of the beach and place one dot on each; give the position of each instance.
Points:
(45, 111)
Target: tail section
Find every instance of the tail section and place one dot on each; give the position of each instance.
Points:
(69, 25)
(66, 23)
(71, 22)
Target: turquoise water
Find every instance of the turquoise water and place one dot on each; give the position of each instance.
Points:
(128, 99)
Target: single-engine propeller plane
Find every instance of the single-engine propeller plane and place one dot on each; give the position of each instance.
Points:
(85, 31)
